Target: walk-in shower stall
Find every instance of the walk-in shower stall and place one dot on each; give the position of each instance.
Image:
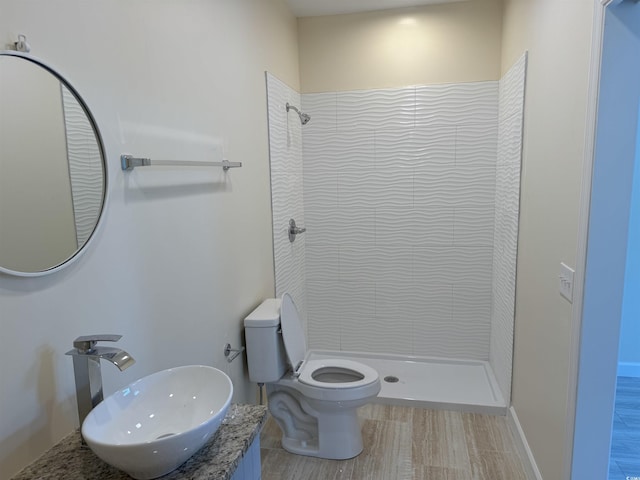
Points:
(410, 200)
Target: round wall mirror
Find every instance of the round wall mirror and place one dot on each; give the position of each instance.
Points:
(53, 177)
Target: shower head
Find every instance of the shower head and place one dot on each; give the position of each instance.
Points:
(304, 118)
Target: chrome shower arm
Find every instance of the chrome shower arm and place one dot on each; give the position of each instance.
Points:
(304, 118)
(291, 107)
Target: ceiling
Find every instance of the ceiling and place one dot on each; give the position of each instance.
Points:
(311, 8)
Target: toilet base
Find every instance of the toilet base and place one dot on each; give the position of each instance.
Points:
(313, 427)
(340, 435)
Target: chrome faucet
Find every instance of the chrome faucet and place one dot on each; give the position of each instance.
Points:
(86, 368)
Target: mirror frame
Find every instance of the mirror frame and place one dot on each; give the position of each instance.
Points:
(105, 181)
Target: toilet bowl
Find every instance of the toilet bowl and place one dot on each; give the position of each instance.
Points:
(313, 401)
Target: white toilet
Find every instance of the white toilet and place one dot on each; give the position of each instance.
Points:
(314, 402)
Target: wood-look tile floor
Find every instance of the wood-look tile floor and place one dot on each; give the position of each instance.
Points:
(407, 443)
(624, 461)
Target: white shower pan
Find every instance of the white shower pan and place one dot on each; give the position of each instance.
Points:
(429, 382)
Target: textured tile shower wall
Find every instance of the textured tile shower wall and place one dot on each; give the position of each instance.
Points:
(505, 242)
(285, 150)
(399, 199)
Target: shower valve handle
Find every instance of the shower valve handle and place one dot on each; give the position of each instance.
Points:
(294, 230)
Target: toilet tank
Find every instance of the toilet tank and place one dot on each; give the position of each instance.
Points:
(265, 350)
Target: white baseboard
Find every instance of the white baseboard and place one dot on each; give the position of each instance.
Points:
(629, 369)
(531, 469)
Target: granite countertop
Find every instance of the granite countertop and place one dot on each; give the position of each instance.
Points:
(218, 459)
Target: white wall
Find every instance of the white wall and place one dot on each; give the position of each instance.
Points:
(285, 152)
(183, 254)
(557, 36)
(505, 232)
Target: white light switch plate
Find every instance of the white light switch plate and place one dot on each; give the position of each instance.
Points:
(566, 282)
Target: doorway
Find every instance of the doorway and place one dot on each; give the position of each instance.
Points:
(607, 240)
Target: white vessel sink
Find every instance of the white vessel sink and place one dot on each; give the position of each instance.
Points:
(155, 424)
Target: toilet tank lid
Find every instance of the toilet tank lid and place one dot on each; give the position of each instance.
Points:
(267, 314)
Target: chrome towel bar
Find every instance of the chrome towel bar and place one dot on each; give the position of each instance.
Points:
(129, 162)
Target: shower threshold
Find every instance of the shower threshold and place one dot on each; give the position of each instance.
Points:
(442, 383)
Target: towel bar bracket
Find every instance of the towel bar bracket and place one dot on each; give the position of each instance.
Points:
(232, 353)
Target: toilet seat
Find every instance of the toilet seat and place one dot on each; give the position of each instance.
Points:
(340, 367)
(292, 333)
(353, 379)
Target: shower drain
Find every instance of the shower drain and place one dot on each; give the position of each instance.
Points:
(391, 379)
